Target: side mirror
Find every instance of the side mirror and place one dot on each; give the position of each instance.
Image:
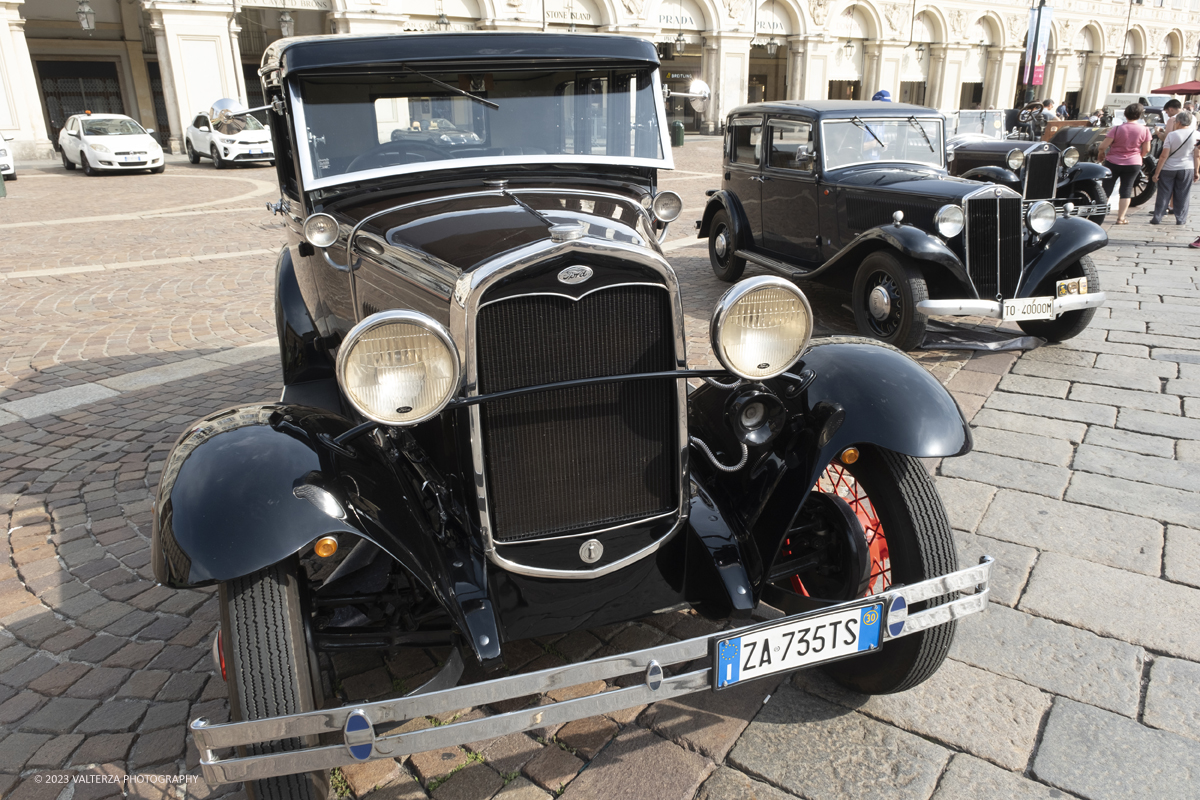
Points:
(204, 129)
(698, 92)
(805, 160)
(73, 133)
(149, 130)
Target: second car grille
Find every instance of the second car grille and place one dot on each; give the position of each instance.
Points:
(994, 242)
(589, 456)
(1041, 175)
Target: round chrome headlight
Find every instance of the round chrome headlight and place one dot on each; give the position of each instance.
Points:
(1041, 216)
(760, 327)
(1016, 159)
(667, 206)
(320, 230)
(1070, 157)
(949, 220)
(398, 367)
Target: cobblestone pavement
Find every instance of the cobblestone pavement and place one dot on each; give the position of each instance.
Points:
(131, 305)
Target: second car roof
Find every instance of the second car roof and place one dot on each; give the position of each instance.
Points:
(837, 109)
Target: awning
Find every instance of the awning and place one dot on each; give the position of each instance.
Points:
(1191, 87)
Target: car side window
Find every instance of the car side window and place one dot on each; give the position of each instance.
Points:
(745, 140)
(199, 122)
(791, 145)
(72, 124)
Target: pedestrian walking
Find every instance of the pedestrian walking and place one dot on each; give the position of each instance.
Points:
(1123, 149)
(1176, 171)
(1061, 112)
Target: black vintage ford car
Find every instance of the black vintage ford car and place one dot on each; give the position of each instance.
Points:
(487, 432)
(857, 194)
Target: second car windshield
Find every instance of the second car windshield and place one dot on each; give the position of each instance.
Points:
(111, 127)
(858, 141)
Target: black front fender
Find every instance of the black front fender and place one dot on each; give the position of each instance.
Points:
(995, 174)
(1069, 240)
(227, 506)
(727, 201)
(907, 239)
(1087, 171)
(858, 393)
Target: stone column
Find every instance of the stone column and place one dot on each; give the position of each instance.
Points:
(239, 74)
(175, 140)
(131, 22)
(935, 90)
(870, 70)
(796, 62)
(24, 86)
(1093, 89)
(1137, 71)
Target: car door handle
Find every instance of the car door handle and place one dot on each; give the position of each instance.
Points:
(758, 178)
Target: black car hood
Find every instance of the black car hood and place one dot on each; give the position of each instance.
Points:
(467, 228)
(931, 183)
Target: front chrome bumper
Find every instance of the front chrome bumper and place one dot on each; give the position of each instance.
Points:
(361, 742)
(991, 308)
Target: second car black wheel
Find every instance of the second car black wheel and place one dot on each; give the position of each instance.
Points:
(68, 163)
(218, 162)
(1071, 323)
(1143, 188)
(192, 155)
(886, 291)
(909, 540)
(269, 666)
(721, 249)
(1092, 194)
(88, 169)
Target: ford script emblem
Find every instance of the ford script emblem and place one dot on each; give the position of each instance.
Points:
(573, 275)
(359, 735)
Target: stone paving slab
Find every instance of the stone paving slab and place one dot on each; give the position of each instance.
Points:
(1119, 540)
(970, 778)
(1098, 754)
(1172, 702)
(946, 709)
(1008, 472)
(1181, 561)
(1162, 502)
(1112, 602)
(1056, 658)
(1011, 569)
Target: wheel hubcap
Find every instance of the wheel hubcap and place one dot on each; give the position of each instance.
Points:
(880, 303)
(721, 244)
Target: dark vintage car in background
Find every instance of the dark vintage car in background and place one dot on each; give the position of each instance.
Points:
(857, 195)
(487, 431)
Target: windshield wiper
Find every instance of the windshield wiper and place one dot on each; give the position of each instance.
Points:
(860, 124)
(913, 121)
(454, 89)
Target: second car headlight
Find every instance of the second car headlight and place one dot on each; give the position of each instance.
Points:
(1041, 216)
(760, 327)
(949, 220)
(667, 206)
(99, 148)
(1016, 159)
(398, 367)
(1070, 157)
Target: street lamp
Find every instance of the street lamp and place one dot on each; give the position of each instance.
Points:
(848, 49)
(1082, 55)
(287, 25)
(772, 47)
(920, 52)
(680, 44)
(87, 17)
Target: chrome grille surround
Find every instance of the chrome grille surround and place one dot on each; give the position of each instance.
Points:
(994, 212)
(464, 308)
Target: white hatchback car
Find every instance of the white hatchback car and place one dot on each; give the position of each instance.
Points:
(8, 167)
(108, 142)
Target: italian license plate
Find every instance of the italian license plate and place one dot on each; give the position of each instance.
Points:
(255, 152)
(779, 648)
(1028, 308)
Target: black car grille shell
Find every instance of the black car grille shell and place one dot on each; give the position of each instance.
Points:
(586, 457)
(1041, 175)
(994, 243)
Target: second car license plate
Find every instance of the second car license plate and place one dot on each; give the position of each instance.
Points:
(790, 645)
(1028, 308)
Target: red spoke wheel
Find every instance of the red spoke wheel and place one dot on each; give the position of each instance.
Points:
(908, 540)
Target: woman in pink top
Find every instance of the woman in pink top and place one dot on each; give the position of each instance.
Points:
(1122, 150)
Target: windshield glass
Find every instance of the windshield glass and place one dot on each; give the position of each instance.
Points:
(235, 125)
(988, 123)
(859, 141)
(110, 127)
(368, 126)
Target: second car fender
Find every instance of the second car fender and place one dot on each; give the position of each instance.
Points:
(907, 239)
(1069, 240)
(727, 201)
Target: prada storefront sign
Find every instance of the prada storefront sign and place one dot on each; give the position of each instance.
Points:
(294, 5)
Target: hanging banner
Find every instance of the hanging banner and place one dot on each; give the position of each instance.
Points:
(1037, 41)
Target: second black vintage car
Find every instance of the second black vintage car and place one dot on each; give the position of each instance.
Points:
(857, 195)
(487, 432)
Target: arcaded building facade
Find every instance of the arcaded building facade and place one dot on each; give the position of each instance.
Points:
(162, 61)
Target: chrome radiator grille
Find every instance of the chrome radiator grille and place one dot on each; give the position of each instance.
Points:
(585, 457)
(1041, 175)
(994, 243)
